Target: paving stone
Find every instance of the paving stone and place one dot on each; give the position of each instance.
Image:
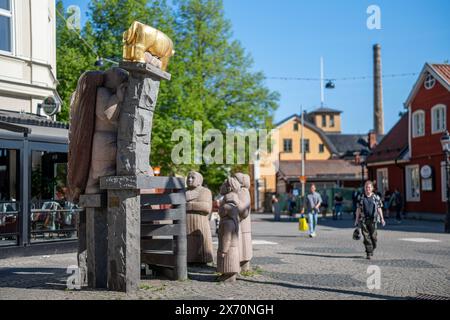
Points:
(297, 267)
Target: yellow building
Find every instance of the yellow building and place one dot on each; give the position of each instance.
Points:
(329, 155)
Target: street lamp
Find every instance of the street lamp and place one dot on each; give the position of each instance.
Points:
(445, 142)
(360, 158)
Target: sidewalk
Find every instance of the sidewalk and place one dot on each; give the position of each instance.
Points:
(413, 258)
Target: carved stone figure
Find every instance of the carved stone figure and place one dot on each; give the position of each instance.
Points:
(228, 250)
(140, 38)
(81, 130)
(92, 150)
(198, 207)
(93, 129)
(104, 141)
(245, 225)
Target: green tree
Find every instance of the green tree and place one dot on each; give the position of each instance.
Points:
(214, 73)
(73, 57)
(110, 18)
(212, 77)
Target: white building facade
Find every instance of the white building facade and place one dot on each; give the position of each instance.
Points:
(27, 54)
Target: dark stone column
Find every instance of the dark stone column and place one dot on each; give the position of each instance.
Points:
(124, 245)
(133, 160)
(136, 116)
(96, 239)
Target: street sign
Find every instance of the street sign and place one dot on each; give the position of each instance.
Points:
(49, 105)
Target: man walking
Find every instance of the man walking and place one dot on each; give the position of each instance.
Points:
(338, 200)
(313, 202)
(368, 213)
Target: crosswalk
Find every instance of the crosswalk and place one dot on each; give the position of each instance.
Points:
(256, 242)
(419, 240)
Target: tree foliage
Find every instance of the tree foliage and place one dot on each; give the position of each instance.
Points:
(73, 57)
(212, 77)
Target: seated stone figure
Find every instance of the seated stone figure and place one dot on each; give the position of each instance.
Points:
(228, 250)
(245, 225)
(198, 207)
(104, 142)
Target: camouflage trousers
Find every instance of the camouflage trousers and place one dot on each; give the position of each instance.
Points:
(369, 232)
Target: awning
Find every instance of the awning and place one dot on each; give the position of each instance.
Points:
(35, 133)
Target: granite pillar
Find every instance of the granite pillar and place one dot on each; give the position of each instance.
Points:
(96, 239)
(133, 160)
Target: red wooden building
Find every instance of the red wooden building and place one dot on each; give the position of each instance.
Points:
(410, 157)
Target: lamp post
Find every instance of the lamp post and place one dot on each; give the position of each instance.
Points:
(445, 142)
(360, 159)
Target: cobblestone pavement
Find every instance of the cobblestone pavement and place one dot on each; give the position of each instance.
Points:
(287, 265)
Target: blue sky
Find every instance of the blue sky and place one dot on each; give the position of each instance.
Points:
(286, 38)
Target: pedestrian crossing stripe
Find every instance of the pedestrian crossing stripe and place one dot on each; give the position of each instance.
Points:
(263, 242)
(256, 242)
(420, 240)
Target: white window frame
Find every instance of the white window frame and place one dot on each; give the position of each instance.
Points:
(381, 186)
(416, 134)
(434, 129)
(408, 178)
(284, 145)
(443, 182)
(429, 81)
(10, 14)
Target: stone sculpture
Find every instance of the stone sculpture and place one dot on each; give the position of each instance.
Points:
(228, 251)
(104, 142)
(109, 151)
(245, 225)
(140, 38)
(93, 129)
(92, 154)
(198, 230)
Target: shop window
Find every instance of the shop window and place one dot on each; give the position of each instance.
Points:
(412, 183)
(53, 217)
(9, 191)
(382, 180)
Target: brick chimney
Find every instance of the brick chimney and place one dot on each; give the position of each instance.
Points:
(372, 140)
(378, 124)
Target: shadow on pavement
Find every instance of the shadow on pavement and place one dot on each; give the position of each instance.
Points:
(34, 278)
(347, 292)
(322, 255)
(406, 225)
(202, 273)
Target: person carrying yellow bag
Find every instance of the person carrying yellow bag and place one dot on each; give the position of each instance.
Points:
(302, 223)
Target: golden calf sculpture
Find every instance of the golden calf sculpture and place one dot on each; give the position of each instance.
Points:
(140, 38)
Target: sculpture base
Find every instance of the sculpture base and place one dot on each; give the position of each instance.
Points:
(96, 239)
(227, 277)
(245, 266)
